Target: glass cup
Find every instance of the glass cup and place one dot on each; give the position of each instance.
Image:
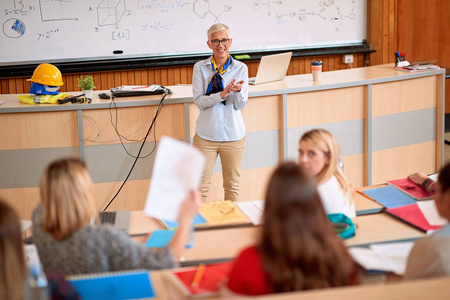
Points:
(316, 68)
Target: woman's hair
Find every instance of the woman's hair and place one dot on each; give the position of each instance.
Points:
(326, 143)
(444, 178)
(217, 27)
(67, 197)
(13, 270)
(298, 246)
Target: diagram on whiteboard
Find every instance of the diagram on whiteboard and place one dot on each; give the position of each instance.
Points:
(110, 12)
(203, 8)
(61, 30)
(14, 28)
(57, 10)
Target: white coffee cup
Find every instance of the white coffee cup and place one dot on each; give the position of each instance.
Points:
(316, 68)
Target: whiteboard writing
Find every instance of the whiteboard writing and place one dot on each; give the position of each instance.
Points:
(67, 30)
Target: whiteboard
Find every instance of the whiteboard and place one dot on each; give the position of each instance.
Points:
(71, 30)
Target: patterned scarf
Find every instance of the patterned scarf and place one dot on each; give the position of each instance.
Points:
(216, 84)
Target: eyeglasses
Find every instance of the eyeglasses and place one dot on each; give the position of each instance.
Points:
(217, 42)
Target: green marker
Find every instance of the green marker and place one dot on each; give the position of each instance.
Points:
(242, 56)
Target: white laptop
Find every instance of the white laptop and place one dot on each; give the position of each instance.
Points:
(272, 68)
(119, 219)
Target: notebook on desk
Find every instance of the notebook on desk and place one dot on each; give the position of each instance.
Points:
(272, 68)
(119, 219)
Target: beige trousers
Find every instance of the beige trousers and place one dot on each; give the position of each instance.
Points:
(231, 154)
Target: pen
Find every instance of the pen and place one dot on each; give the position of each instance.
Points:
(198, 276)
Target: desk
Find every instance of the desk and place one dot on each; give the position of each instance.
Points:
(141, 224)
(436, 289)
(372, 111)
(224, 244)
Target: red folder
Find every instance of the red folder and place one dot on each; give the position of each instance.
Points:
(209, 283)
(412, 215)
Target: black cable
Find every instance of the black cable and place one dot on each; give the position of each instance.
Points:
(166, 92)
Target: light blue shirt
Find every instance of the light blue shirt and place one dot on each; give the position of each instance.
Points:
(218, 122)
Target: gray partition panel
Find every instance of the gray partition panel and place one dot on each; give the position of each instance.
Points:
(109, 163)
(403, 129)
(262, 150)
(349, 134)
(23, 168)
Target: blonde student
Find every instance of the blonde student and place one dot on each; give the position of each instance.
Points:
(319, 153)
(430, 256)
(297, 248)
(69, 242)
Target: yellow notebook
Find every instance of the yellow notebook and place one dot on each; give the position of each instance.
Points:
(222, 212)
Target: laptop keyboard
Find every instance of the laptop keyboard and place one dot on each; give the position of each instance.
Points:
(108, 217)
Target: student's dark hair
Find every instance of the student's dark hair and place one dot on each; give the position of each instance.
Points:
(298, 247)
(444, 178)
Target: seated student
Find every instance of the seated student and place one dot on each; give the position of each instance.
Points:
(319, 154)
(69, 243)
(13, 269)
(14, 279)
(423, 180)
(297, 248)
(430, 256)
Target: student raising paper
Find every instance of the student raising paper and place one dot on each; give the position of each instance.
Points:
(297, 248)
(430, 256)
(67, 241)
(318, 153)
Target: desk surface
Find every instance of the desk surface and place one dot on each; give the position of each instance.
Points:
(224, 244)
(435, 288)
(141, 224)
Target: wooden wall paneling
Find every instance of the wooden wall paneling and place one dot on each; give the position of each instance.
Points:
(19, 86)
(110, 79)
(157, 78)
(103, 82)
(176, 75)
(418, 29)
(183, 75)
(151, 76)
(189, 73)
(123, 78)
(130, 75)
(375, 30)
(164, 76)
(117, 79)
(12, 86)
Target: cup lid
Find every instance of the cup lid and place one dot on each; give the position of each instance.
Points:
(316, 63)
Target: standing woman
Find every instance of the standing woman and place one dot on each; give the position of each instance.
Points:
(319, 154)
(220, 88)
(297, 247)
(67, 240)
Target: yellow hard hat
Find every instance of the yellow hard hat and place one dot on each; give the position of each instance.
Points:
(47, 74)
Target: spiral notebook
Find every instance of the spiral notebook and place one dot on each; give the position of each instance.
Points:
(389, 196)
(114, 285)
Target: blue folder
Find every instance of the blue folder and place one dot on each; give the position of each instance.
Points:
(389, 196)
(159, 238)
(114, 285)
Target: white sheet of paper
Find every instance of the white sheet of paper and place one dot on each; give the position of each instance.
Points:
(429, 210)
(252, 210)
(390, 257)
(178, 168)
